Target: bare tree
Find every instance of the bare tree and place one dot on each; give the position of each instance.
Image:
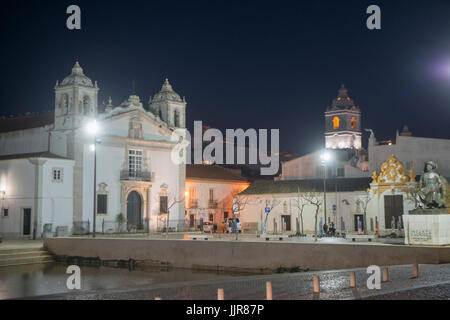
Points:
(364, 201)
(300, 204)
(172, 200)
(315, 199)
(241, 201)
(270, 205)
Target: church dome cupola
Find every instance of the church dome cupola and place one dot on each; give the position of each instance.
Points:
(169, 107)
(77, 77)
(342, 101)
(343, 123)
(167, 93)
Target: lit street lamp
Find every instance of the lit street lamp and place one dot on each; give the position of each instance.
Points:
(93, 129)
(325, 157)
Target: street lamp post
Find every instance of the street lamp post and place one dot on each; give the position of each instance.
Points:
(325, 157)
(93, 129)
(95, 189)
(325, 191)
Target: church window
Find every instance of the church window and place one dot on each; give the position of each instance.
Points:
(102, 203)
(135, 162)
(65, 104)
(176, 117)
(135, 130)
(336, 123)
(86, 105)
(353, 122)
(57, 174)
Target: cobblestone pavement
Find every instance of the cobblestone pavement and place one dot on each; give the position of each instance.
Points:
(437, 292)
(291, 286)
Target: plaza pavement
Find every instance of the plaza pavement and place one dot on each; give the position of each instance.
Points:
(433, 282)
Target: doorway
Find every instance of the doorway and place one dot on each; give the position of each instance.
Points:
(134, 214)
(191, 221)
(393, 208)
(286, 223)
(26, 222)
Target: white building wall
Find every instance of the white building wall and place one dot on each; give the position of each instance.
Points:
(18, 181)
(346, 207)
(57, 206)
(413, 152)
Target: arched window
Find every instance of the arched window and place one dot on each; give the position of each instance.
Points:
(65, 104)
(86, 105)
(176, 119)
(353, 122)
(336, 123)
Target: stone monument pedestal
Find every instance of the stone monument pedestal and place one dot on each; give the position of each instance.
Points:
(427, 227)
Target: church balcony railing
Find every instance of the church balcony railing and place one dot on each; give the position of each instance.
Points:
(212, 204)
(137, 175)
(193, 204)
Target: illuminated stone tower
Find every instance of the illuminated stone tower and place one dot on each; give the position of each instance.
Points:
(343, 123)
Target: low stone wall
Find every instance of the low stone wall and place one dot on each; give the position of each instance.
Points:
(223, 255)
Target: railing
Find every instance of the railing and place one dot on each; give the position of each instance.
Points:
(212, 204)
(174, 225)
(193, 204)
(137, 175)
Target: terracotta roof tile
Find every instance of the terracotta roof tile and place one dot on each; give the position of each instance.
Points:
(211, 172)
(26, 122)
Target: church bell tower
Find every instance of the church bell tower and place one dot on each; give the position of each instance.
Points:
(75, 98)
(343, 123)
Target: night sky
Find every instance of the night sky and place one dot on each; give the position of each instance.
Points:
(241, 64)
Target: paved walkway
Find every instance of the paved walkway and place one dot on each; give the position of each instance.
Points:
(20, 244)
(298, 286)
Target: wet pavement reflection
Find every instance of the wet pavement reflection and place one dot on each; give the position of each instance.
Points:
(45, 279)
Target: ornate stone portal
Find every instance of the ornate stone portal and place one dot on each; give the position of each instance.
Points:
(390, 190)
(429, 223)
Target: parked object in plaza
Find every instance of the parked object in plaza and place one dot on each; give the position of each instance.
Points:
(208, 227)
(234, 225)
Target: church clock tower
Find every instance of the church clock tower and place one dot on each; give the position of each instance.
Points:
(343, 123)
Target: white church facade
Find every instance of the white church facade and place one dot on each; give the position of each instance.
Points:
(47, 163)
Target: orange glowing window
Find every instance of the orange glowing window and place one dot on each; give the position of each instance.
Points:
(335, 123)
(353, 122)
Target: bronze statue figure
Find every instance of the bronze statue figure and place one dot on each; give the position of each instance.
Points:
(431, 193)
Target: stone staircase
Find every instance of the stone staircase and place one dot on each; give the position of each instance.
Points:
(15, 257)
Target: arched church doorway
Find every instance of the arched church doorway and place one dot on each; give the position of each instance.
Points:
(134, 213)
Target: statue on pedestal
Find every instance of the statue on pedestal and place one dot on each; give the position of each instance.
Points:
(431, 189)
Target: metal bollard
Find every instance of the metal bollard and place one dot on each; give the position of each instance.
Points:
(269, 290)
(220, 294)
(415, 270)
(316, 284)
(352, 280)
(385, 275)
